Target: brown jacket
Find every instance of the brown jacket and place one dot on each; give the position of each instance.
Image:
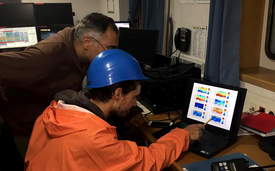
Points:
(32, 78)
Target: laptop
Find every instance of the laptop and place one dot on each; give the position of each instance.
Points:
(205, 100)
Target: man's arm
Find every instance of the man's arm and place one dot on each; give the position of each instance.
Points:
(126, 155)
(21, 69)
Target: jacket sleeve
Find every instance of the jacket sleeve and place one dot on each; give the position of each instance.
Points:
(21, 69)
(111, 154)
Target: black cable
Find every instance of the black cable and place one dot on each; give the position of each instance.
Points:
(145, 115)
(178, 59)
(172, 53)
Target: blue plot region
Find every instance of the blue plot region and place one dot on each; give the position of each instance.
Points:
(197, 113)
(199, 105)
(16, 36)
(219, 102)
(9, 36)
(216, 119)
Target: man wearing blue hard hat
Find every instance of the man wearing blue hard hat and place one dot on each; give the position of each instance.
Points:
(73, 132)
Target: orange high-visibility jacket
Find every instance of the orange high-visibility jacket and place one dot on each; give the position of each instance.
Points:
(70, 138)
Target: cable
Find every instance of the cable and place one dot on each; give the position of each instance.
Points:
(178, 59)
(145, 116)
(172, 53)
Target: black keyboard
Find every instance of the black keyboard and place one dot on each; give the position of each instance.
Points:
(211, 139)
(208, 138)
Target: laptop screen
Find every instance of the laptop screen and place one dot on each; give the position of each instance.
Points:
(212, 102)
(222, 103)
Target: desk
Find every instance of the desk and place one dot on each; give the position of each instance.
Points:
(246, 144)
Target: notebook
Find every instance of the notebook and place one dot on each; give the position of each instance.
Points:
(259, 123)
(205, 100)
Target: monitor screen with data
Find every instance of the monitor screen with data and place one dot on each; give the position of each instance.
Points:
(17, 37)
(214, 102)
(222, 103)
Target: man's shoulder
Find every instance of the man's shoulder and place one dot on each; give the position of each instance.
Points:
(64, 36)
(61, 40)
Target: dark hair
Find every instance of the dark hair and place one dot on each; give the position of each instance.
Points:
(104, 94)
(94, 23)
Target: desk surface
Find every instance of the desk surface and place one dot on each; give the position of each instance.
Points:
(246, 144)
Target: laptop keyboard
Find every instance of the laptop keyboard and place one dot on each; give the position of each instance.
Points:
(208, 138)
(211, 139)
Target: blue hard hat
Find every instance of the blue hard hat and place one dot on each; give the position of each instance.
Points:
(113, 66)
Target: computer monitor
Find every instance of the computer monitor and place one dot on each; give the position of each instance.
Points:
(222, 103)
(125, 24)
(52, 17)
(17, 15)
(17, 37)
(50, 14)
(141, 43)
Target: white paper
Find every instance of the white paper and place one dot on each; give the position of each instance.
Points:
(199, 41)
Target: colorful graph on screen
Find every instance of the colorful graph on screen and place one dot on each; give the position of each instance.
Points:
(221, 94)
(218, 119)
(219, 102)
(200, 98)
(199, 105)
(197, 113)
(217, 110)
(13, 36)
(202, 90)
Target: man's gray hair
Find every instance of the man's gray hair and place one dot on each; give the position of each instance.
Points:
(94, 24)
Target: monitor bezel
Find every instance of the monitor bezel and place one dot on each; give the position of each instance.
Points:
(232, 133)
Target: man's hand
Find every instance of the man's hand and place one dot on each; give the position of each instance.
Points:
(137, 120)
(195, 131)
